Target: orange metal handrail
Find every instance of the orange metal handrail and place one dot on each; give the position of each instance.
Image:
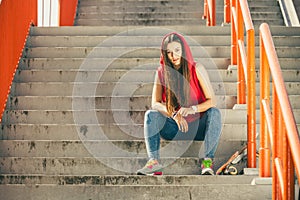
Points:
(285, 142)
(240, 17)
(15, 19)
(210, 12)
(67, 12)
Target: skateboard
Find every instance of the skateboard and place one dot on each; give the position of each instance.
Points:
(232, 165)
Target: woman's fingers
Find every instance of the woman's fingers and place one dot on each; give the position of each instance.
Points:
(185, 126)
(186, 111)
(181, 123)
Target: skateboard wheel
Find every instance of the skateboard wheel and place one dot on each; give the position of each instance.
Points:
(232, 170)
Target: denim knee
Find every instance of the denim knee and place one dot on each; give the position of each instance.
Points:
(152, 114)
(154, 121)
(215, 113)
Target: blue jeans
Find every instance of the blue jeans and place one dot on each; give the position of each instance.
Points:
(207, 129)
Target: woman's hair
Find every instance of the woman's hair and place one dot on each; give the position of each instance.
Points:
(176, 82)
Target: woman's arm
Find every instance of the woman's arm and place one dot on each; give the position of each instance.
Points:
(161, 107)
(206, 86)
(156, 102)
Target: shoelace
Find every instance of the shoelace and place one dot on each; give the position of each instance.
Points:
(151, 163)
(207, 163)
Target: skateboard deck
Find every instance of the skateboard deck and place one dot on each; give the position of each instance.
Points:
(226, 166)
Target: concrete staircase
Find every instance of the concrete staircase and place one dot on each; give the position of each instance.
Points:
(154, 12)
(73, 126)
(161, 13)
(266, 11)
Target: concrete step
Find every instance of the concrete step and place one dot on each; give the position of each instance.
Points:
(155, 3)
(148, 19)
(161, 15)
(263, 9)
(132, 30)
(135, 75)
(164, 21)
(189, 13)
(116, 89)
(138, 15)
(108, 148)
(116, 1)
(145, 52)
(100, 102)
(126, 52)
(266, 15)
(190, 30)
(119, 63)
(117, 180)
(91, 132)
(98, 165)
(146, 41)
(107, 116)
(291, 41)
(271, 21)
(137, 22)
(129, 63)
(256, 3)
(103, 102)
(141, 8)
(78, 192)
(93, 41)
(164, 3)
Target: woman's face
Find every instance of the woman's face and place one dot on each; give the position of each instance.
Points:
(174, 52)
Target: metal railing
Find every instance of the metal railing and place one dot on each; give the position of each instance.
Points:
(279, 133)
(209, 12)
(68, 9)
(16, 18)
(283, 137)
(245, 61)
(289, 12)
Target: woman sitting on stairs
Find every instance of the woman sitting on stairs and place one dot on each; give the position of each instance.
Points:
(183, 106)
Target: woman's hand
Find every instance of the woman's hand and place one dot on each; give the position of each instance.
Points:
(181, 123)
(186, 111)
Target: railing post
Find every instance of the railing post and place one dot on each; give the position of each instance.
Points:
(277, 138)
(290, 173)
(210, 12)
(241, 85)
(251, 99)
(227, 11)
(285, 158)
(213, 13)
(204, 16)
(233, 35)
(264, 151)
